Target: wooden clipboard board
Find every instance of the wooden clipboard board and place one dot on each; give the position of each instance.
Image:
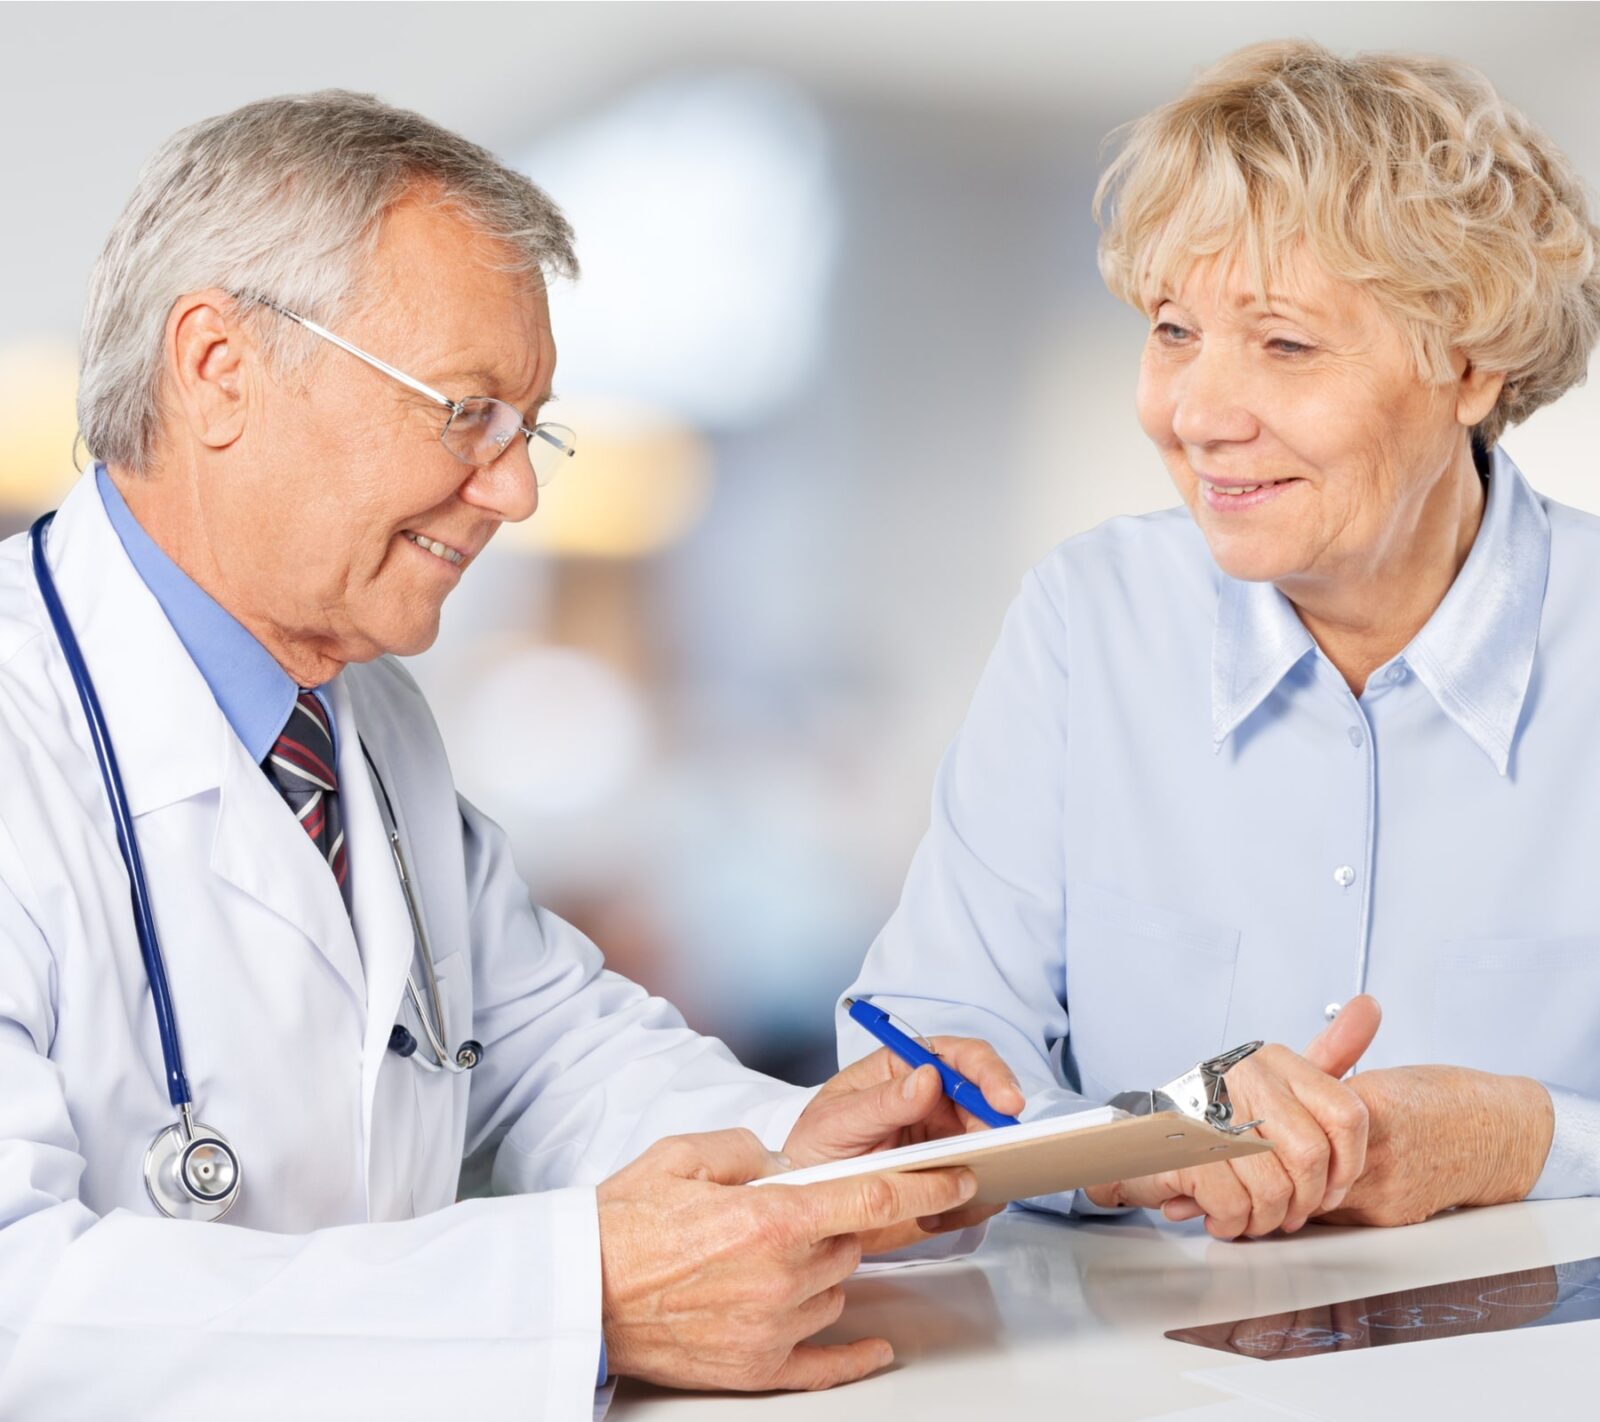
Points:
(1094, 1155)
(1097, 1155)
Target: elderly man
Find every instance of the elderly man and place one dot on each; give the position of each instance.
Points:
(315, 357)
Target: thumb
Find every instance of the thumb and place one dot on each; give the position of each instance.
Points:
(1339, 1045)
(858, 1121)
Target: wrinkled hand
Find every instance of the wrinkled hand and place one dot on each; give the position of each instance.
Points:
(879, 1103)
(1318, 1127)
(1445, 1136)
(708, 1284)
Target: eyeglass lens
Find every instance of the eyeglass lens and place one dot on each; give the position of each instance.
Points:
(480, 430)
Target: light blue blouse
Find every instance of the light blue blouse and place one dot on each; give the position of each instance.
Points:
(1168, 827)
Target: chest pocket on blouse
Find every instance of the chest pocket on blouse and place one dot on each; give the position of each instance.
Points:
(1521, 1007)
(1147, 990)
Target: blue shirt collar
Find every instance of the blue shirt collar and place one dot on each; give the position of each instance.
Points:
(254, 692)
(1474, 655)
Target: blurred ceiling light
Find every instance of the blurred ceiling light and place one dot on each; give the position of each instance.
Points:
(38, 420)
(707, 226)
(640, 481)
(548, 731)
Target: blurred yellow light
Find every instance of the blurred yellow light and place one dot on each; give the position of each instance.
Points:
(38, 387)
(639, 482)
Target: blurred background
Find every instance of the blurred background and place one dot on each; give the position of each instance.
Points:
(841, 366)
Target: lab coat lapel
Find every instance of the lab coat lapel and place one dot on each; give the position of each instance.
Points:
(172, 740)
(262, 851)
(378, 906)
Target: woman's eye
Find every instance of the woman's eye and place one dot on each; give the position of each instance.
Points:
(1170, 331)
(1289, 347)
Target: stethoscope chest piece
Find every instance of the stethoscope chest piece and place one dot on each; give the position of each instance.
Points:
(192, 1173)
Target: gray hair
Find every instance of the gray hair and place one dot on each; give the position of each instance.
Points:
(280, 199)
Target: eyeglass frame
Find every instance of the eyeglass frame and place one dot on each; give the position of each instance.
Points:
(455, 407)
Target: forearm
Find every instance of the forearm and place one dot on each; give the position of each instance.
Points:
(582, 1069)
(140, 1316)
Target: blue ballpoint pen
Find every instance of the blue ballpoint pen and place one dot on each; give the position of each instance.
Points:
(963, 1092)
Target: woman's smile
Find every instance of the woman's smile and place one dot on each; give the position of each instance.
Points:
(1239, 498)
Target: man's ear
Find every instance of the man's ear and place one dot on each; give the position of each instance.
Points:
(1476, 391)
(208, 358)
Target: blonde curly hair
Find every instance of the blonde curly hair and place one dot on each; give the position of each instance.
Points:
(1407, 174)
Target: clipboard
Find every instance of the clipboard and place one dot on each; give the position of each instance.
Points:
(1188, 1122)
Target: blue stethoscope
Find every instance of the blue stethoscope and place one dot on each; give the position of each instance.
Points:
(190, 1169)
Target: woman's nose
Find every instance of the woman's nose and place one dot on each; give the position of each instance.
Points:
(1211, 404)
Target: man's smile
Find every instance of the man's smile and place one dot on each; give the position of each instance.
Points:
(453, 556)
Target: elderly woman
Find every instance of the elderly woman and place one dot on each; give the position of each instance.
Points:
(1329, 730)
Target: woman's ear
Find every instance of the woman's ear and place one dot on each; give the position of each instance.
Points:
(1476, 391)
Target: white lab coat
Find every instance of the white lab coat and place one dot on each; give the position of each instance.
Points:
(346, 1281)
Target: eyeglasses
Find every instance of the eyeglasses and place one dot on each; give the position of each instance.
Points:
(479, 428)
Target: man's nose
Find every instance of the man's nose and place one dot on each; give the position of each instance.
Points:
(1212, 404)
(507, 487)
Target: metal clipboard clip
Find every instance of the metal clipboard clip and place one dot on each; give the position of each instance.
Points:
(1200, 1093)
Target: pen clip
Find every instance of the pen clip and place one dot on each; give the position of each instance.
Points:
(1200, 1093)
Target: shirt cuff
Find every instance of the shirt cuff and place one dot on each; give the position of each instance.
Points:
(600, 1377)
(1573, 1166)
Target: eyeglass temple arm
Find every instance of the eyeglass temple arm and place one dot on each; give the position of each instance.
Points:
(360, 354)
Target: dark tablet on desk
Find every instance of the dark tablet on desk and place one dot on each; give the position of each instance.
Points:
(1529, 1298)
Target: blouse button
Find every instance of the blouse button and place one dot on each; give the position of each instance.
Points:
(1356, 737)
(1331, 1010)
(1344, 876)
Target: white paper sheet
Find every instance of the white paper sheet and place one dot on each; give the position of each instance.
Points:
(927, 1152)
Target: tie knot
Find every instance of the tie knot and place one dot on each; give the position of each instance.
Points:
(302, 756)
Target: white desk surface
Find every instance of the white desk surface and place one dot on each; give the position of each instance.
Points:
(1060, 1319)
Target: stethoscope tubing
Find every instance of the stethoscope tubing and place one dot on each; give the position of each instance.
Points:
(143, 919)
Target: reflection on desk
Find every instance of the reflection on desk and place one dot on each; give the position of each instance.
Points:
(1493, 1303)
(1067, 1318)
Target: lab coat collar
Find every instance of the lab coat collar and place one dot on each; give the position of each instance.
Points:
(169, 735)
(1474, 654)
(174, 743)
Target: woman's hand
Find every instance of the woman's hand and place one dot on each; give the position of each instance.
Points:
(1318, 1127)
(1445, 1136)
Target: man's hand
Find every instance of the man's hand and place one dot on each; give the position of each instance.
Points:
(707, 1284)
(1445, 1136)
(1318, 1127)
(879, 1103)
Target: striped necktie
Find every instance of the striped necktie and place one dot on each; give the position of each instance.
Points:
(300, 764)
